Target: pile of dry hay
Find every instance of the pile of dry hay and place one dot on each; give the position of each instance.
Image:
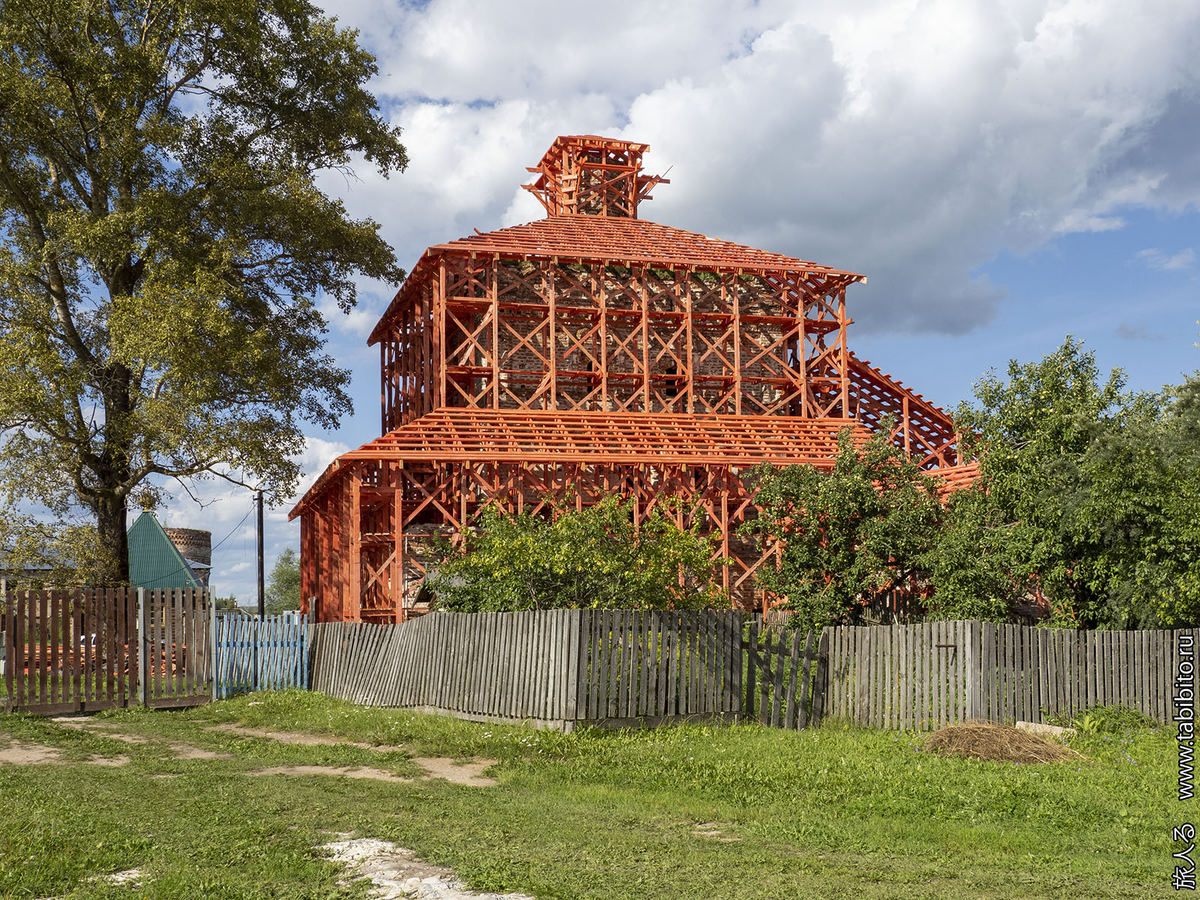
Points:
(1000, 743)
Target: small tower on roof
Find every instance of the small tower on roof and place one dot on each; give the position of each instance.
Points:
(584, 174)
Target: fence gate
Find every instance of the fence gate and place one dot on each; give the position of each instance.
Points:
(253, 654)
(785, 676)
(87, 650)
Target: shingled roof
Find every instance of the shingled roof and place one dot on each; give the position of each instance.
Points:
(597, 239)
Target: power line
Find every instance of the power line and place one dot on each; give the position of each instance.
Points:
(231, 533)
(235, 528)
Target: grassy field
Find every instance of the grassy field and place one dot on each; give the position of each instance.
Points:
(731, 812)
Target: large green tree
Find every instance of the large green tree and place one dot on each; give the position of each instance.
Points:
(1143, 511)
(845, 536)
(165, 243)
(283, 584)
(1088, 495)
(1089, 498)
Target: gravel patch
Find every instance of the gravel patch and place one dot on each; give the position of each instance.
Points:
(397, 873)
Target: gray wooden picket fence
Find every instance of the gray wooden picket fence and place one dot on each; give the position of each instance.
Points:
(555, 668)
(564, 668)
(939, 673)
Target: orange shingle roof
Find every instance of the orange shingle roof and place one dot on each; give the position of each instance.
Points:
(604, 239)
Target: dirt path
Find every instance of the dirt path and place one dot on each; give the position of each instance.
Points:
(22, 753)
(178, 749)
(469, 774)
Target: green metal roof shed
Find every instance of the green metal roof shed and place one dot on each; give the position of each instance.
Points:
(155, 562)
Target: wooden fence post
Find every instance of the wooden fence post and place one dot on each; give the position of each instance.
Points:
(750, 646)
(141, 644)
(972, 661)
(213, 672)
(821, 680)
(8, 618)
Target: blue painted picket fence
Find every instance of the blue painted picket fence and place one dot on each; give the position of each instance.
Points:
(266, 654)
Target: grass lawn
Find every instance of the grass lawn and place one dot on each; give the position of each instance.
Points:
(730, 812)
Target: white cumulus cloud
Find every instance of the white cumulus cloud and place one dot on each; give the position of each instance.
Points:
(912, 142)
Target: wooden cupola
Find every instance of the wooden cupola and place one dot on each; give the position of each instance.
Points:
(584, 174)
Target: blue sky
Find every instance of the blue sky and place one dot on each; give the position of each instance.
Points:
(1005, 173)
(1131, 294)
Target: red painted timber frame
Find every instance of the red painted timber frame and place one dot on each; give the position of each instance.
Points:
(589, 353)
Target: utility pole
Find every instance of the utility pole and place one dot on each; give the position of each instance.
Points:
(262, 590)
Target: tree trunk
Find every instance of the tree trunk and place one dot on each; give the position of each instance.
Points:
(113, 473)
(110, 523)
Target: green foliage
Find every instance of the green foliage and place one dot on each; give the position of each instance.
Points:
(1101, 720)
(1144, 510)
(1089, 496)
(1089, 493)
(971, 567)
(594, 558)
(63, 555)
(283, 584)
(845, 536)
(166, 244)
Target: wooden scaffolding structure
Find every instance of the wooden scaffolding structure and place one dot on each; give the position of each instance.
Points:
(588, 353)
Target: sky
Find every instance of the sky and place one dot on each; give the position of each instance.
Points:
(1004, 173)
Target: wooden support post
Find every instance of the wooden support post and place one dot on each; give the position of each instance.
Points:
(548, 273)
(492, 268)
(737, 343)
(644, 299)
(600, 296)
(385, 402)
(439, 336)
(725, 534)
(685, 291)
(843, 353)
(355, 562)
(425, 306)
(396, 475)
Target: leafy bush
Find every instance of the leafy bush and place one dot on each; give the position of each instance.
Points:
(583, 559)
